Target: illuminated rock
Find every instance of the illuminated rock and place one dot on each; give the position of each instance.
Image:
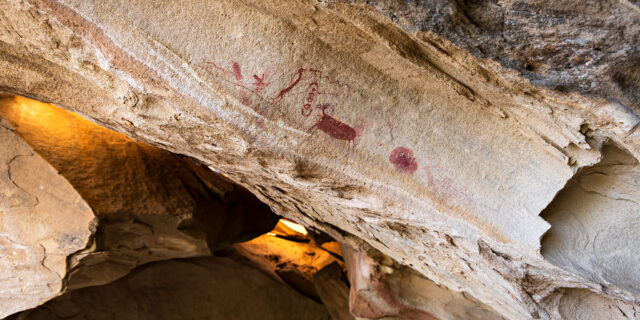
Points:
(357, 120)
(291, 262)
(43, 220)
(149, 205)
(291, 231)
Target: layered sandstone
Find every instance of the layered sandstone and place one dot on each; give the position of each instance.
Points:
(43, 220)
(102, 205)
(196, 288)
(389, 134)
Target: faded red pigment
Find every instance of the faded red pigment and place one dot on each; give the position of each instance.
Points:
(259, 82)
(291, 86)
(335, 128)
(295, 82)
(237, 72)
(306, 108)
(403, 160)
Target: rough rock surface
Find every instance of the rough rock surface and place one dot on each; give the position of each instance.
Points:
(149, 205)
(333, 291)
(383, 289)
(595, 221)
(42, 221)
(291, 262)
(197, 288)
(340, 119)
(576, 46)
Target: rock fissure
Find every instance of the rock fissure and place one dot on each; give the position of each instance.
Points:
(9, 164)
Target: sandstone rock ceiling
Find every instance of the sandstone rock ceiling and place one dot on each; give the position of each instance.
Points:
(143, 205)
(441, 134)
(574, 46)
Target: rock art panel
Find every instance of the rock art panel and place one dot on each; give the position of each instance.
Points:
(403, 160)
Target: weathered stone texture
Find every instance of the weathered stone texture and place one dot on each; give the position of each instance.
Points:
(333, 291)
(150, 205)
(197, 288)
(43, 220)
(382, 137)
(595, 221)
(382, 289)
(573, 46)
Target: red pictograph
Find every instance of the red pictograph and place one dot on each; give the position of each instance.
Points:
(403, 160)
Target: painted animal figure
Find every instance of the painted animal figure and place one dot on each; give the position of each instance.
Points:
(335, 128)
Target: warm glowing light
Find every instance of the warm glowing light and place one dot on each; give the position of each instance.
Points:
(294, 226)
(56, 129)
(224, 175)
(44, 114)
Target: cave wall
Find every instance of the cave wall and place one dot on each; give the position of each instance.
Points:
(383, 135)
(196, 288)
(43, 220)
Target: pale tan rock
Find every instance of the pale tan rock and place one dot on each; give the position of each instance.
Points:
(197, 288)
(43, 220)
(595, 220)
(150, 205)
(588, 305)
(440, 160)
(394, 292)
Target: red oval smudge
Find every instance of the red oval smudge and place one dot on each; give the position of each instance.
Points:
(237, 72)
(403, 160)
